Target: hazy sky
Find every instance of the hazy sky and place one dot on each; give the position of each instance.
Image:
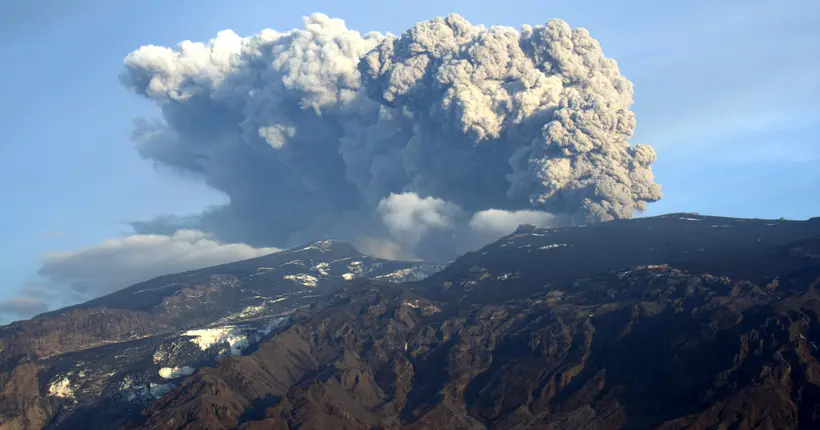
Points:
(726, 92)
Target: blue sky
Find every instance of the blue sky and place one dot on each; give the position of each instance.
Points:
(725, 91)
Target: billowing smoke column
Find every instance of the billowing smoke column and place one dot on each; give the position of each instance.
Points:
(421, 145)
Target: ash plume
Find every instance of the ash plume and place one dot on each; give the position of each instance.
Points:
(397, 144)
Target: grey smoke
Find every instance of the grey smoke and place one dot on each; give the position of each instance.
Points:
(394, 143)
(20, 307)
(117, 263)
(83, 274)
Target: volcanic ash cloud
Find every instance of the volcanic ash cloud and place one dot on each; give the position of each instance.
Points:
(323, 132)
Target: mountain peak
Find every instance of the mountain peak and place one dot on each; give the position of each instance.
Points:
(327, 245)
(525, 228)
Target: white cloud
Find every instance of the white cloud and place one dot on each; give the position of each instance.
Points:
(410, 217)
(415, 222)
(497, 223)
(118, 263)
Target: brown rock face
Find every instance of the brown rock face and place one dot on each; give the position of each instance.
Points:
(670, 350)
(96, 364)
(22, 405)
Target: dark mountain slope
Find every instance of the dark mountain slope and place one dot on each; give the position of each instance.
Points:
(327, 260)
(673, 322)
(698, 352)
(518, 336)
(119, 351)
(270, 284)
(750, 249)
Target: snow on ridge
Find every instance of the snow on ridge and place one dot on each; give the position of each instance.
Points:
(398, 274)
(161, 287)
(272, 325)
(253, 310)
(249, 311)
(238, 338)
(355, 267)
(410, 274)
(299, 262)
(133, 390)
(304, 279)
(321, 246)
(61, 388)
(208, 337)
(507, 276)
(322, 268)
(340, 259)
(175, 372)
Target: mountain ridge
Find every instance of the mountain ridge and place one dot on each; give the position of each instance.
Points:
(360, 352)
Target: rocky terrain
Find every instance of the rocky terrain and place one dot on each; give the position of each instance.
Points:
(104, 359)
(673, 322)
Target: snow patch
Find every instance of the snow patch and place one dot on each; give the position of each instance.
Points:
(160, 288)
(397, 275)
(272, 325)
(175, 372)
(624, 274)
(140, 391)
(356, 268)
(247, 312)
(322, 268)
(506, 276)
(338, 260)
(156, 390)
(321, 246)
(133, 390)
(236, 339)
(552, 246)
(61, 388)
(304, 279)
